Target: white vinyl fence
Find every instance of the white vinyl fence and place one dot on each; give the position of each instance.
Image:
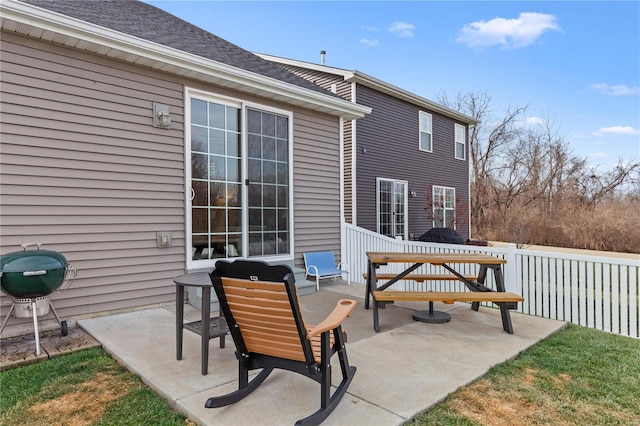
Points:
(592, 291)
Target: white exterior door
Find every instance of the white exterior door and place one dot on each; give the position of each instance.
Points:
(392, 207)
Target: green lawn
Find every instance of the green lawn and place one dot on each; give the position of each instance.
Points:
(578, 376)
(86, 387)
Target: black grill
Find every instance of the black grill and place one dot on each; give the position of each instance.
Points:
(442, 235)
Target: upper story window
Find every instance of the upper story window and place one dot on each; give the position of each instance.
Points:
(461, 144)
(426, 131)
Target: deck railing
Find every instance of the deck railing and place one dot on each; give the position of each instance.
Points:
(592, 291)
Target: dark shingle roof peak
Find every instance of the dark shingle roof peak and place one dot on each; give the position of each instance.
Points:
(150, 23)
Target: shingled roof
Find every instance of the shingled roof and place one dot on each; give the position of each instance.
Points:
(150, 23)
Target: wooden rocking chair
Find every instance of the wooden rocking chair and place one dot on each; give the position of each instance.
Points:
(261, 306)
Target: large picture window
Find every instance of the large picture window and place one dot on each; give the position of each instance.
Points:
(444, 207)
(239, 181)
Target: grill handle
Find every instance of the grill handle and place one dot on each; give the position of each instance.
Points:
(25, 245)
(34, 273)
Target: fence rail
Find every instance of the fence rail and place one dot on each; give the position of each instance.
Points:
(592, 291)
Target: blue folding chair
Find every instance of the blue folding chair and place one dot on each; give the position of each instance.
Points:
(322, 264)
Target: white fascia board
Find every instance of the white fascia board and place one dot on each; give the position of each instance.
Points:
(25, 14)
(346, 74)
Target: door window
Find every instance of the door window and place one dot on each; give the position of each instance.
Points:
(392, 207)
(268, 183)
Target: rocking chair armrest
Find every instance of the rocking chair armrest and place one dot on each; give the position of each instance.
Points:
(344, 308)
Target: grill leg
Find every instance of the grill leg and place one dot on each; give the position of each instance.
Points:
(6, 319)
(55, 314)
(63, 324)
(35, 325)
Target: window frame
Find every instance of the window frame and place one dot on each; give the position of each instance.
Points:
(421, 131)
(444, 207)
(405, 207)
(458, 142)
(243, 106)
(289, 115)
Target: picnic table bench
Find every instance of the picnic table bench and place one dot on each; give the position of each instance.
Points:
(448, 297)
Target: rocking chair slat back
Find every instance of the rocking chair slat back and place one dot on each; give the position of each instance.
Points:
(265, 318)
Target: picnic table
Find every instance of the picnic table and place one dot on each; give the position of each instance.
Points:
(478, 291)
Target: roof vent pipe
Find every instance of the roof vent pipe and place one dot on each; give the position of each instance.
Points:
(322, 53)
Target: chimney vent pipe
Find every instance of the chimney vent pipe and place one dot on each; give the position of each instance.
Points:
(322, 53)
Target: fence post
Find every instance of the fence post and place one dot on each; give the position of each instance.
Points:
(346, 254)
(510, 271)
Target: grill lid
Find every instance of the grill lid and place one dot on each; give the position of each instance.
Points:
(32, 260)
(442, 235)
(32, 273)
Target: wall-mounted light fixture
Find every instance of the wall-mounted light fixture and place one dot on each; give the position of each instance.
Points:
(364, 150)
(412, 194)
(161, 115)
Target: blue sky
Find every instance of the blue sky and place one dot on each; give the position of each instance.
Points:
(577, 62)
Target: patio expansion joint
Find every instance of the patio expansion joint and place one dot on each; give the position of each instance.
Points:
(374, 404)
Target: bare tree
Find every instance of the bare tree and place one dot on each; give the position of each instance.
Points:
(488, 140)
(523, 177)
(593, 188)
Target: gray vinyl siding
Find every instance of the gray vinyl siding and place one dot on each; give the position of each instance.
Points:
(84, 172)
(390, 135)
(322, 79)
(316, 180)
(343, 89)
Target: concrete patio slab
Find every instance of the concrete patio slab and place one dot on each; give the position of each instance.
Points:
(403, 370)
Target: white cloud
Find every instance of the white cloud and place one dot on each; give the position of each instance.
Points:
(530, 121)
(615, 89)
(369, 28)
(370, 41)
(402, 29)
(508, 33)
(617, 130)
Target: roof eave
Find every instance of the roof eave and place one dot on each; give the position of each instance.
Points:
(376, 84)
(57, 28)
(391, 90)
(346, 74)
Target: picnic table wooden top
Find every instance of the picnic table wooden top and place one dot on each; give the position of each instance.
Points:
(433, 258)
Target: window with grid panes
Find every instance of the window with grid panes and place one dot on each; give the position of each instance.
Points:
(444, 207)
